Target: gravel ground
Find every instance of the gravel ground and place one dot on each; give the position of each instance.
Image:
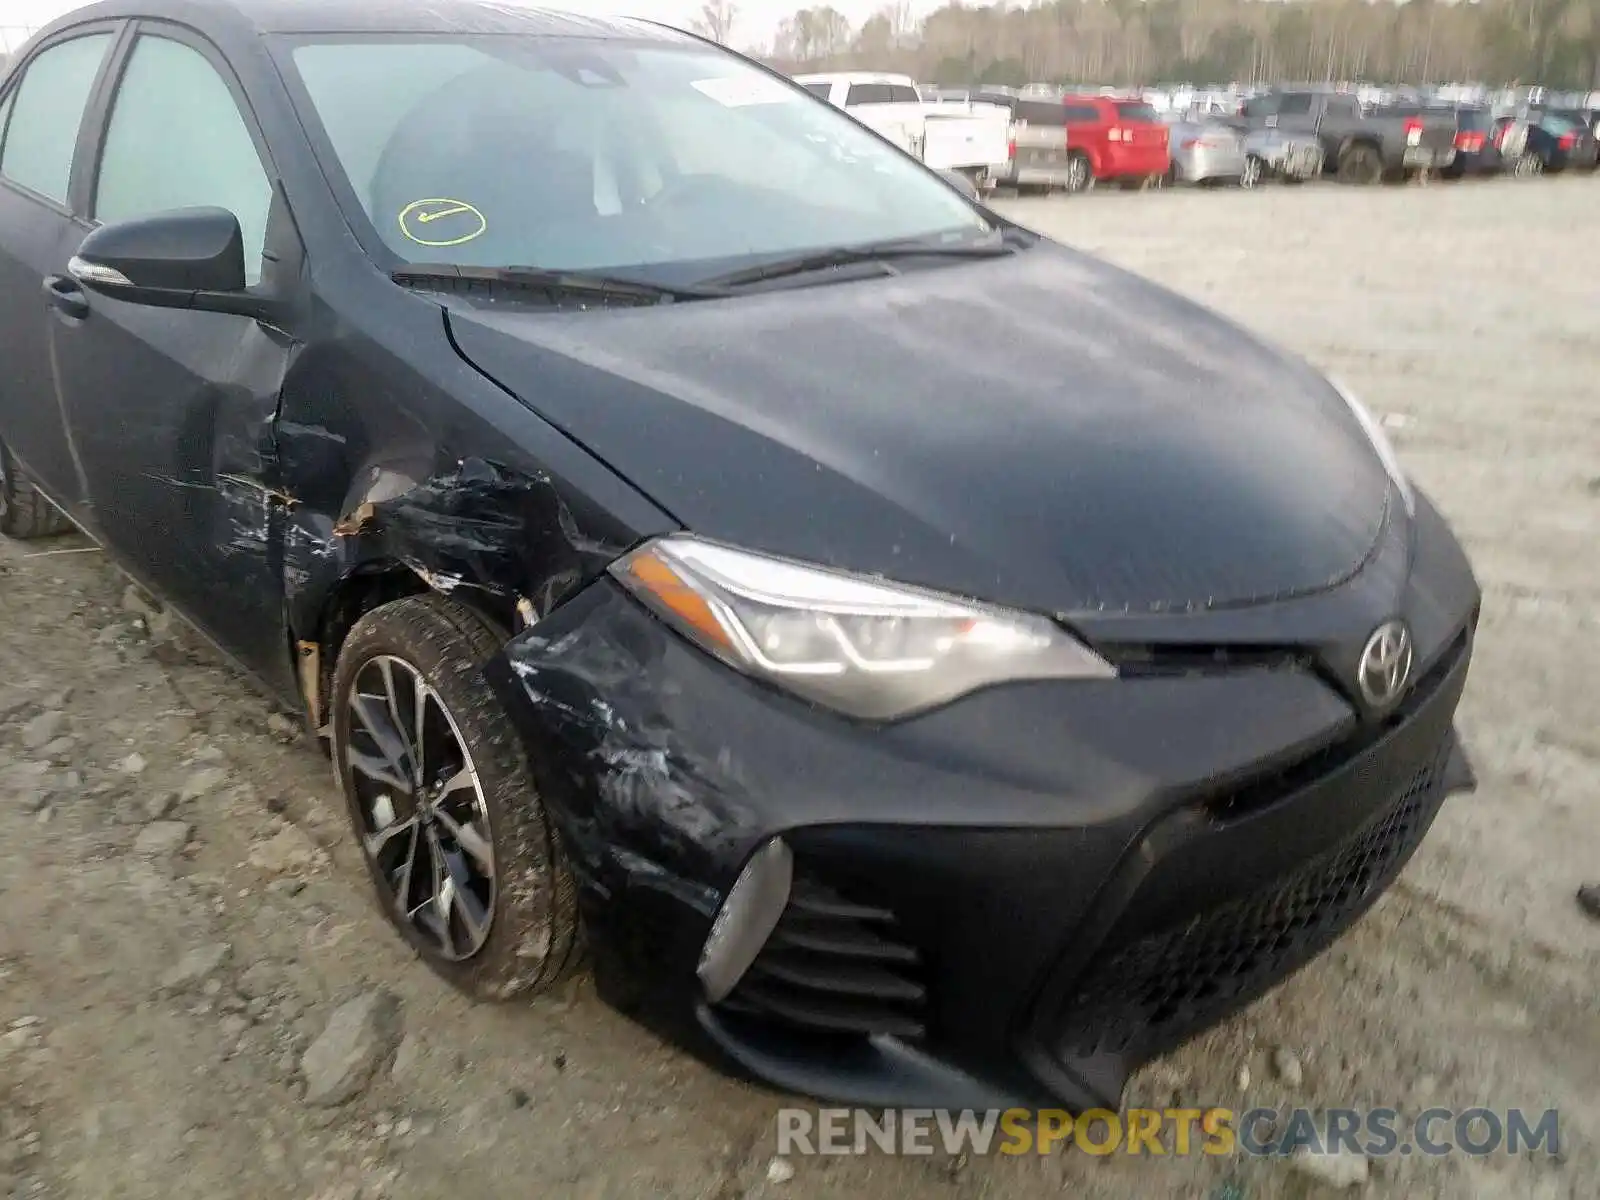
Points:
(197, 998)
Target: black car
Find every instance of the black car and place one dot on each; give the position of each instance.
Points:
(928, 664)
(1559, 141)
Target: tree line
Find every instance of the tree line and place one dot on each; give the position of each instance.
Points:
(1551, 42)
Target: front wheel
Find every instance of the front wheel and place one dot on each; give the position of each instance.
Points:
(465, 861)
(24, 512)
(1079, 176)
(1251, 175)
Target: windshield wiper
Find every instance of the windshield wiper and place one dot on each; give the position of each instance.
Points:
(611, 288)
(872, 252)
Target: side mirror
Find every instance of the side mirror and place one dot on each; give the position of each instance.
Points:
(962, 183)
(185, 258)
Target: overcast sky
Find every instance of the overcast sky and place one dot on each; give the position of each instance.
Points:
(755, 24)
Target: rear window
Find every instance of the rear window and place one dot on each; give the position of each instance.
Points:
(1037, 112)
(1292, 104)
(1136, 112)
(1473, 119)
(819, 89)
(1556, 124)
(882, 93)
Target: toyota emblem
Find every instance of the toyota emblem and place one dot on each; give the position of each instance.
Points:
(1385, 665)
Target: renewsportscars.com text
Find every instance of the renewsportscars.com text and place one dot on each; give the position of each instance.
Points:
(1256, 1132)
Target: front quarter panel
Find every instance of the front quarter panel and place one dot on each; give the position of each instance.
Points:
(399, 456)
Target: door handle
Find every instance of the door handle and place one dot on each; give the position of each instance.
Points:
(63, 294)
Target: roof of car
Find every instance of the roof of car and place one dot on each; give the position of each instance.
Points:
(391, 16)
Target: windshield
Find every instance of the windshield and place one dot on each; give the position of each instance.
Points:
(578, 154)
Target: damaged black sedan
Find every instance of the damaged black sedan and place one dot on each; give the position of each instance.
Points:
(922, 663)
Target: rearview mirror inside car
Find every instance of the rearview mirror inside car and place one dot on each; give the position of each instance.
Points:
(185, 258)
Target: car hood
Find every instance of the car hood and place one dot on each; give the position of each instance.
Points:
(1042, 430)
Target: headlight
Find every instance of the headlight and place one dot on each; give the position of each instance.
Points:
(867, 648)
(1381, 445)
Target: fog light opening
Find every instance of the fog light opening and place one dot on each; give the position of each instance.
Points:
(746, 919)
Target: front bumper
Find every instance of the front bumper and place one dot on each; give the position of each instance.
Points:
(1015, 899)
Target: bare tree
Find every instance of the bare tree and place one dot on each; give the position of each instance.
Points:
(715, 20)
(1554, 42)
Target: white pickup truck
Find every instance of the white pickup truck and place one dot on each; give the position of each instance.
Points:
(947, 135)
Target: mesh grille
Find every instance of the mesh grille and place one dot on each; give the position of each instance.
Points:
(1161, 987)
(833, 966)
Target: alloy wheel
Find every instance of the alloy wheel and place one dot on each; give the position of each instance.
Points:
(423, 820)
(1077, 173)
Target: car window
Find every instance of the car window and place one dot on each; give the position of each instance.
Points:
(1343, 106)
(1258, 107)
(1086, 114)
(590, 154)
(1294, 104)
(176, 139)
(819, 89)
(5, 115)
(1038, 112)
(43, 130)
(1137, 113)
(903, 93)
(878, 93)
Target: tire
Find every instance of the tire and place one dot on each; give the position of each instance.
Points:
(1254, 172)
(25, 514)
(520, 934)
(1080, 175)
(1528, 165)
(1360, 165)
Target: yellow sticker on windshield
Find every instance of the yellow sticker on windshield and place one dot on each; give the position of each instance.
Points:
(441, 222)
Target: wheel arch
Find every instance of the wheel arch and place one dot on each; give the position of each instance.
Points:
(368, 585)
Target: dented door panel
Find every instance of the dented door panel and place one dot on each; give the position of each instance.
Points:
(171, 412)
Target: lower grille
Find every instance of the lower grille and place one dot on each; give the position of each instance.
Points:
(834, 966)
(1159, 988)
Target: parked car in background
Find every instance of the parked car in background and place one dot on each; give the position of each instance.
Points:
(1511, 136)
(1559, 141)
(1114, 140)
(1480, 139)
(1206, 151)
(1278, 154)
(1485, 144)
(1357, 147)
(1037, 151)
(947, 135)
(887, 104)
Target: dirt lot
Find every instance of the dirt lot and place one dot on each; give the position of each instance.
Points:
(183, 911)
